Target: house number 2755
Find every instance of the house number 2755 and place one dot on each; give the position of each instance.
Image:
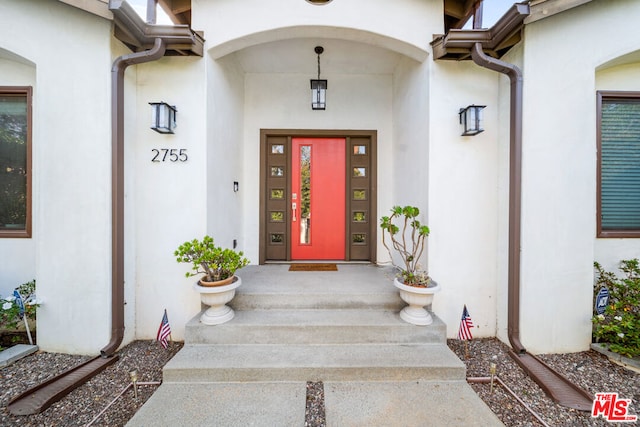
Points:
(169, 155)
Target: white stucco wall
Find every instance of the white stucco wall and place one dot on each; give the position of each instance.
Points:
(410, 147)
(71, 163)
(463, 196)
(225, 148)
(170, 198)
(404, 25)
(17, 255)
(559, 168)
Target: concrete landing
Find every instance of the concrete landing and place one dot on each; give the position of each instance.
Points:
(366, 404)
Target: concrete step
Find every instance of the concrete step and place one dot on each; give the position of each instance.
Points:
(330, 362)
(246, 300)
(351, 287)
(341, 328)
(321, 326)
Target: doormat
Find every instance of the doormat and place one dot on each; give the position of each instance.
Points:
(313, 267)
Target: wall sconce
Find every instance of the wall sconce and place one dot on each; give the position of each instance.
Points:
(471, 119)
(318, 87)
(236, 186)
(163, 117)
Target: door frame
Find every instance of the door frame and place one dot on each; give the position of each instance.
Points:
(288, 134)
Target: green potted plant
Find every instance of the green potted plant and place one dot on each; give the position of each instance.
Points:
(218, 284)
(404, 235)
(216, 263)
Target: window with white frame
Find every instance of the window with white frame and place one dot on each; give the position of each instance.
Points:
(15, 161)
(618, 164)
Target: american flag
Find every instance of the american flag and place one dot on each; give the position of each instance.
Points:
(464, 333)
(164, 331)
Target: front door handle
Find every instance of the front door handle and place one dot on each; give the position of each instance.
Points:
(294, 206)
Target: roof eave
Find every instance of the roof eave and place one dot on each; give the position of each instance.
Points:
(97, 7)
(138, 35)
(541, 9)
(497, 40)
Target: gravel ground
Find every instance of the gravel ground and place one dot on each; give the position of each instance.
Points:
(83, 404)
(589, 370)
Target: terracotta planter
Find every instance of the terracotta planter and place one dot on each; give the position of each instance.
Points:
(417, 298)
(222, 282)
(216, 297)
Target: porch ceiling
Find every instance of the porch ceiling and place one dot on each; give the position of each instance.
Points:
(296, 56)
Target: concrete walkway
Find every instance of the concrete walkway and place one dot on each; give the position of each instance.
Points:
(366, 404)
(341, 328)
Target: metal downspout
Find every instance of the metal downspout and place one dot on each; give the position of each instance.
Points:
(515, 178)
(117, 187)
(553, 383)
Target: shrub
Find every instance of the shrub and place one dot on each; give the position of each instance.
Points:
(215, 262)
(619, 326)
(9, 310)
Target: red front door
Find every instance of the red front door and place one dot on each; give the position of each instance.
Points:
(318, 198)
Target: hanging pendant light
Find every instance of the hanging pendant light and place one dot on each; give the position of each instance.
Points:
(318, 87)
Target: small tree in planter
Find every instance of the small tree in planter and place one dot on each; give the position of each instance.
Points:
(213, 261)
(408, 239)
(218, 286)
(408, 242)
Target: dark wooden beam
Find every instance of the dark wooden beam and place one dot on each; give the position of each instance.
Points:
(178, 10)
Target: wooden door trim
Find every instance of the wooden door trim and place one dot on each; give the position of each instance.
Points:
(318, 133)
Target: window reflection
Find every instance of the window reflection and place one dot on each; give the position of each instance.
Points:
(305, 194)
(359, 238)
(277, 216)
(277, 194)
(359, 149)
(359, 217)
